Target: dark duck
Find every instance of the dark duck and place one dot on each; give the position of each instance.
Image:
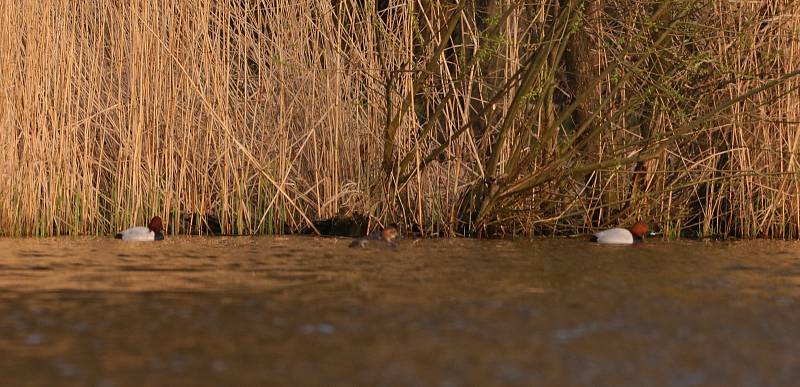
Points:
(386, 238)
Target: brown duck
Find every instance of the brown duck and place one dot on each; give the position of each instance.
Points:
(385, 238)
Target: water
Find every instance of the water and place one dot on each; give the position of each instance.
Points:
(302, 311)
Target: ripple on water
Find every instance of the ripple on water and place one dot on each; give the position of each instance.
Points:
(264, 311)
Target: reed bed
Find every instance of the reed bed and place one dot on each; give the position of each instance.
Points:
(452, 118)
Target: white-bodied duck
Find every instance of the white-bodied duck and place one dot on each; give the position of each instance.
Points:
(622, 236)
(150, 233)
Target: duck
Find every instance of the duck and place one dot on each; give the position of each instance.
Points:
(153, 232)
(622, 236)
(386, 238)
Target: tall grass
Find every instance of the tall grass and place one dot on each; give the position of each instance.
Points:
(480, 117)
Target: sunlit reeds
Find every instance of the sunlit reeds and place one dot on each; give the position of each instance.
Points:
(489, 118)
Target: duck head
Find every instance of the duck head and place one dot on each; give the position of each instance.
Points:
(155, 225)
(390, 233)
(639, 229)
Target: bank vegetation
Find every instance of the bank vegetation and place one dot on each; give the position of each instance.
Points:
(480, 117)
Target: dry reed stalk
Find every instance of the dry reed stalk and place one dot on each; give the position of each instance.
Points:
(268, 114)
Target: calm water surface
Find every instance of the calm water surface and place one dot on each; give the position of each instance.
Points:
(302, 311)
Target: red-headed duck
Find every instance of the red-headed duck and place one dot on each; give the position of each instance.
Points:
(622, 236)
(150, 233)
(385, 238)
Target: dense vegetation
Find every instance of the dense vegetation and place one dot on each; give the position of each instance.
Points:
(478, 117)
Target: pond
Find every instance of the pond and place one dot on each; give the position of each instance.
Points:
(305, 311)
